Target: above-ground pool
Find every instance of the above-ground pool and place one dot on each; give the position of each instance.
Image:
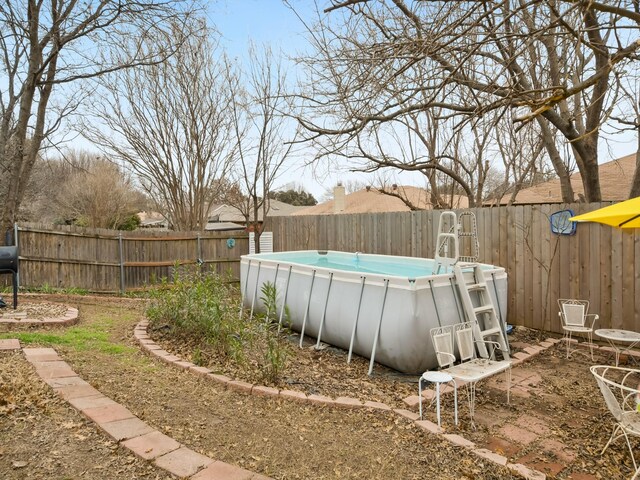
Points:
(371, 305)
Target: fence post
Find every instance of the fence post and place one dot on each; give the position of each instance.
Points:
(414, 240)
(15, 242)
(199, 250)
(121, 249)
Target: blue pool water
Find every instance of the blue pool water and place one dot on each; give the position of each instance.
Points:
(361, 263)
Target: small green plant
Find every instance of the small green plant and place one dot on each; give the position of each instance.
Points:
(274, 347)
(48, 289)
(196, 357)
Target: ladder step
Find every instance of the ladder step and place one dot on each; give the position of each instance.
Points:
(475, 287)
(490, 331)
(483, 309)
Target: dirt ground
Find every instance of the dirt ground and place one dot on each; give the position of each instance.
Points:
(279, 438)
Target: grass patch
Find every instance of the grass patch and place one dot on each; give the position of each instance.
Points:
(94, 334)
(48, 289)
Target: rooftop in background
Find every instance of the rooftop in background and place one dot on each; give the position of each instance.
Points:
(152, 220)
(372, 200)
(223, 226)
(615, 184)
(228, 213)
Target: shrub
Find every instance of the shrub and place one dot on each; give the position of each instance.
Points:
(200, 306)
(203, 310)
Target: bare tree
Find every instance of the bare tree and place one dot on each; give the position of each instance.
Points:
(265, 134)
(96, 193)
(627, 118)
(377, 61)
(171, 124)
(49, 43)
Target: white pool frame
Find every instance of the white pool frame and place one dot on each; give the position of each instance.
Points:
(383, 317)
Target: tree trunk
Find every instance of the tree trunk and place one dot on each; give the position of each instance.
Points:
(558, 165)
(587, 154)
(635, 183)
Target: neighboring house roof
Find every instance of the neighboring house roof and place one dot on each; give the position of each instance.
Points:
(228, 213)
(281, 209)
(223, 226)
(225, 213)
(371, 200)
(152, 220)
(615, 184)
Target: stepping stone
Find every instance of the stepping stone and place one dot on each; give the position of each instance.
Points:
(10, 344)
(223, 471)
(107, 413)
(65, 381)
(151, 445)
(126, 429)
(29, 352)
(83, 403)
(520, 435)
(70, 392)
(44, 357)
(183, 462)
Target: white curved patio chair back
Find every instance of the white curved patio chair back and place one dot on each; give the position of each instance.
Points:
(442, 340)
(574, 311)
(466, 344)
(575, 318)
(619, 388)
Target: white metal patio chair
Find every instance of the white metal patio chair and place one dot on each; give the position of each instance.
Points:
(576, 319)
(444, 352)
(471, 369)
(619, 387)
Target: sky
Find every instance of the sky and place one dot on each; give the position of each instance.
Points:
(273, 23)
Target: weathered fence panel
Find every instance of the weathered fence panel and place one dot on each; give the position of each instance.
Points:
(107, 261)
(598, 263)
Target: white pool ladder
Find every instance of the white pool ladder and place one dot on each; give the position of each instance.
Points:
(451, 230)
(447, 245)
(488, 325)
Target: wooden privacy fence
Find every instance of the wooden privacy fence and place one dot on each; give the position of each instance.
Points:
(103, 261)
(598, 263)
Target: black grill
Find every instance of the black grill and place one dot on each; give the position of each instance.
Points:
(9, 264)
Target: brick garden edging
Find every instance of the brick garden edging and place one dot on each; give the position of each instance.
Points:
(122, 425)
(69, 318)
(141, 335)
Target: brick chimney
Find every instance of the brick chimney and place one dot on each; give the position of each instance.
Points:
(338, 199)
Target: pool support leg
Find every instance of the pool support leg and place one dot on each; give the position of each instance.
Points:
(255, 291)
(244, 293)
(456, 297)
(375, 339)
(306, 312)
(275, 277)
(435, 305)
(284, 300)
(355, 323)
(324, 311)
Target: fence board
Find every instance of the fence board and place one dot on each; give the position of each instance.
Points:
(628, 278)
(536, 276)
(636, 325)
(616, 279)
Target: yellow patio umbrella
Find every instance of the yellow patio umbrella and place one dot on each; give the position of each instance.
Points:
(621, 215)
